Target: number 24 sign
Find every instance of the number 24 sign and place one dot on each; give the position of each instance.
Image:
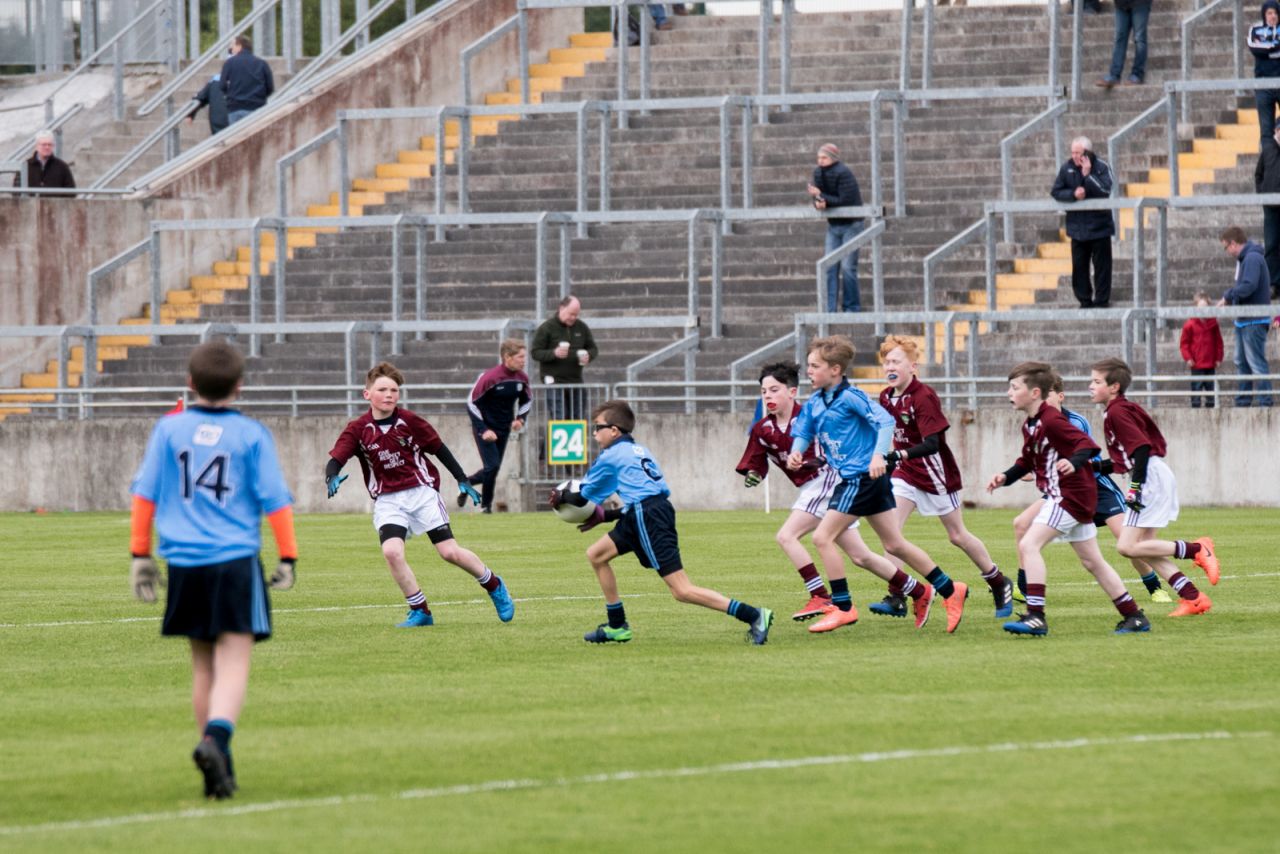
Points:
(566, 442)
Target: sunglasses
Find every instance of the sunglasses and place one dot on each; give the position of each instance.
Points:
(596, 428)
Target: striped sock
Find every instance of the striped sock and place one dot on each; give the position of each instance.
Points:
(941, 582)
(1186, 551)
(840, 594)
(904, 585)
(1183, 586)
(742, 611)
(812, 581)
(994, 577)
(418, 602)
(616, 613)
(1125, 604)
(1035, 599)
(1151, 581)
(489, 581)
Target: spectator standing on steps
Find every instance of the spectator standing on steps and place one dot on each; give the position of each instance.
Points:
(1266, 179)
(562, 347)
(246, 80)
(44, 169)
(834, 186)
(1251, 287)
(1087, 176)
(1264, 44)
(1131, 17)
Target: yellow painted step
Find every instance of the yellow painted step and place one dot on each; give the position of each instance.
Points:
(267, 254)
(1043, 265)
(427, 158)
(357, 198)
(124, 340)
(1236, 146)
(577, 54)
(488, 125)
(1158, 191)
(557, 69)
(74, 366)
(511, 98)
(107, 354)
(402, 170)
(1208, 160)
(293, 238)
(1237, 132)
(26, 398)
(169, 313)
(536, 84)
(203, 296)
(6, 411)
(1020, 281)
(49, 380)
(591, 40)
(241, 268)
(428, 143)
(329, 210)
(1054, 250)
(1247, 116)
(381, 185)
(219, 282)
(1196, 176)
(1006, 298)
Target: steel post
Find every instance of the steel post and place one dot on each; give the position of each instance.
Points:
(282, 253)
(606, 163)
(623, 31)
(644, 60)
(566, 260)
(439, 170)
(396, 298)
(877, 279)
(926, 52)
(1053, 54)
(949, 352)
(691, 262)
(877, 194)
(581, 164)
(1172, 137)
(419, 276)
(784, 71)
(461, 158)
(193, 27)
(1077, 37)
(748, 197)
(762, 57)
(717, 280)
(1139, 234)
(900, 153)
(522, 25)
(540, 266)
(344, 173)
(972, 352)
(255, 287)
(117, 89)
(904, 48)
(726, 159)
(1162, 246)
(1006, 186)
(990, 244)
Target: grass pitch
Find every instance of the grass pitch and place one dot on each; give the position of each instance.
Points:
(477, 736)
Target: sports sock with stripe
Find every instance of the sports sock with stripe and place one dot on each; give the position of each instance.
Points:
(418, 602)
(994, 577)
(813, 581)
(743, 611)
(616, 613)
(1183, 586)
(941, 582)
(1151, 581)
(840, 594)
(489, 581)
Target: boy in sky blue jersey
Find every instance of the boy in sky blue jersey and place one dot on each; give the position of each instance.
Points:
(855, 433)
(208, 477)
(646, 526)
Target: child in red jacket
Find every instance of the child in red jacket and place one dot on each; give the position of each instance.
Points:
(1201, 345)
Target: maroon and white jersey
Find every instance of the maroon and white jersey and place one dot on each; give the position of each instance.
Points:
(1048, 437)
(768, 442)
(392, 456)
(917, 413)
(1128, 427)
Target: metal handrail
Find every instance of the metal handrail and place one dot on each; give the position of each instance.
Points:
(353, 32)
(785, 342)
(688, 346)
(1053, 113)
(1137, 123)
(1188, 23)
(55, 126)
(870, 234)
(515, 22)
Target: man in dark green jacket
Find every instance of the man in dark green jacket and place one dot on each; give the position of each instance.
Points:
(562, 347)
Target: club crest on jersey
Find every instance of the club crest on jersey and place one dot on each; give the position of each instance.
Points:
(906, 418)
(207, 435)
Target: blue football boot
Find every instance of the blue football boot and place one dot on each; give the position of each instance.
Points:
(502, 601)
(416, 618)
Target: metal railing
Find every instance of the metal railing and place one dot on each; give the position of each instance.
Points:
(1188, 25)
(1185, 88)
(24, 148)
(1053, 113)
(517, 22)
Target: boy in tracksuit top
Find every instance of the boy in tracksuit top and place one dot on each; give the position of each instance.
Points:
(498, 392)
(1264, 44)
(646, 526)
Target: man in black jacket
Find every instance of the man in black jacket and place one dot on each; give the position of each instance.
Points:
(44, 169)
(1087, 176)
(246, 80)
(1266, 179)
(835, 187)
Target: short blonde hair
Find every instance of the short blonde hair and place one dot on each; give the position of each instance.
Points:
(907, 345)
(834, 350)
(383, 369)
(510, 347)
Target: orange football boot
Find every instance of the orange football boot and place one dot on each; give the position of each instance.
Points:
(1189, 607)
(834, 618)
(816, 606)
(922, 606)
(1207, 559)
(955, 606)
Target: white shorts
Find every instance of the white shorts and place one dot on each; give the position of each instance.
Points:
(1052, 514)
(418, 510)
(815, 495)
(1159, 494)
(927, 503)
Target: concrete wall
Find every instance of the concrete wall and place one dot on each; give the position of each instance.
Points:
(49, 246)
(1220, 458)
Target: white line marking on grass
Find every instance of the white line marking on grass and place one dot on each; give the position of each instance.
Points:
(338, 608)
(317, 610)
(623, 776)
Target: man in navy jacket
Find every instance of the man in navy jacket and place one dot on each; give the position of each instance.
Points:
(1087, 176)
(834, 186)
(1252, 286)
(246, 80)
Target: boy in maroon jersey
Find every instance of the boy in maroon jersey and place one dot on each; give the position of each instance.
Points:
(1136, 446)
(770, 440)
(392, 445)
(1058, 453)
(925, 475)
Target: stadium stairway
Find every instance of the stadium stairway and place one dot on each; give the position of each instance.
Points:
(670, 160)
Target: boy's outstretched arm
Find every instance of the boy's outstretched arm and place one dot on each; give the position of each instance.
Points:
(446, 458)
(331, 479)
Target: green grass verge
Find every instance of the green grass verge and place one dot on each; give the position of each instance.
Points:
(477, 736)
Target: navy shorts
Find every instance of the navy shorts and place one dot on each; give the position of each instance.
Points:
(1110, 501)
(863, 496)
(649, 530)
(204, 602)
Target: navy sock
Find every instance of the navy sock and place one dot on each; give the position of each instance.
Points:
(221, 730)
(840, 594)
(743, 611)
(617, 614)
(941, 582)
(1151, 581)
(1022, 582)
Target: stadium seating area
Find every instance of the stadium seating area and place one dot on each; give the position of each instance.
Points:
(670, 160)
